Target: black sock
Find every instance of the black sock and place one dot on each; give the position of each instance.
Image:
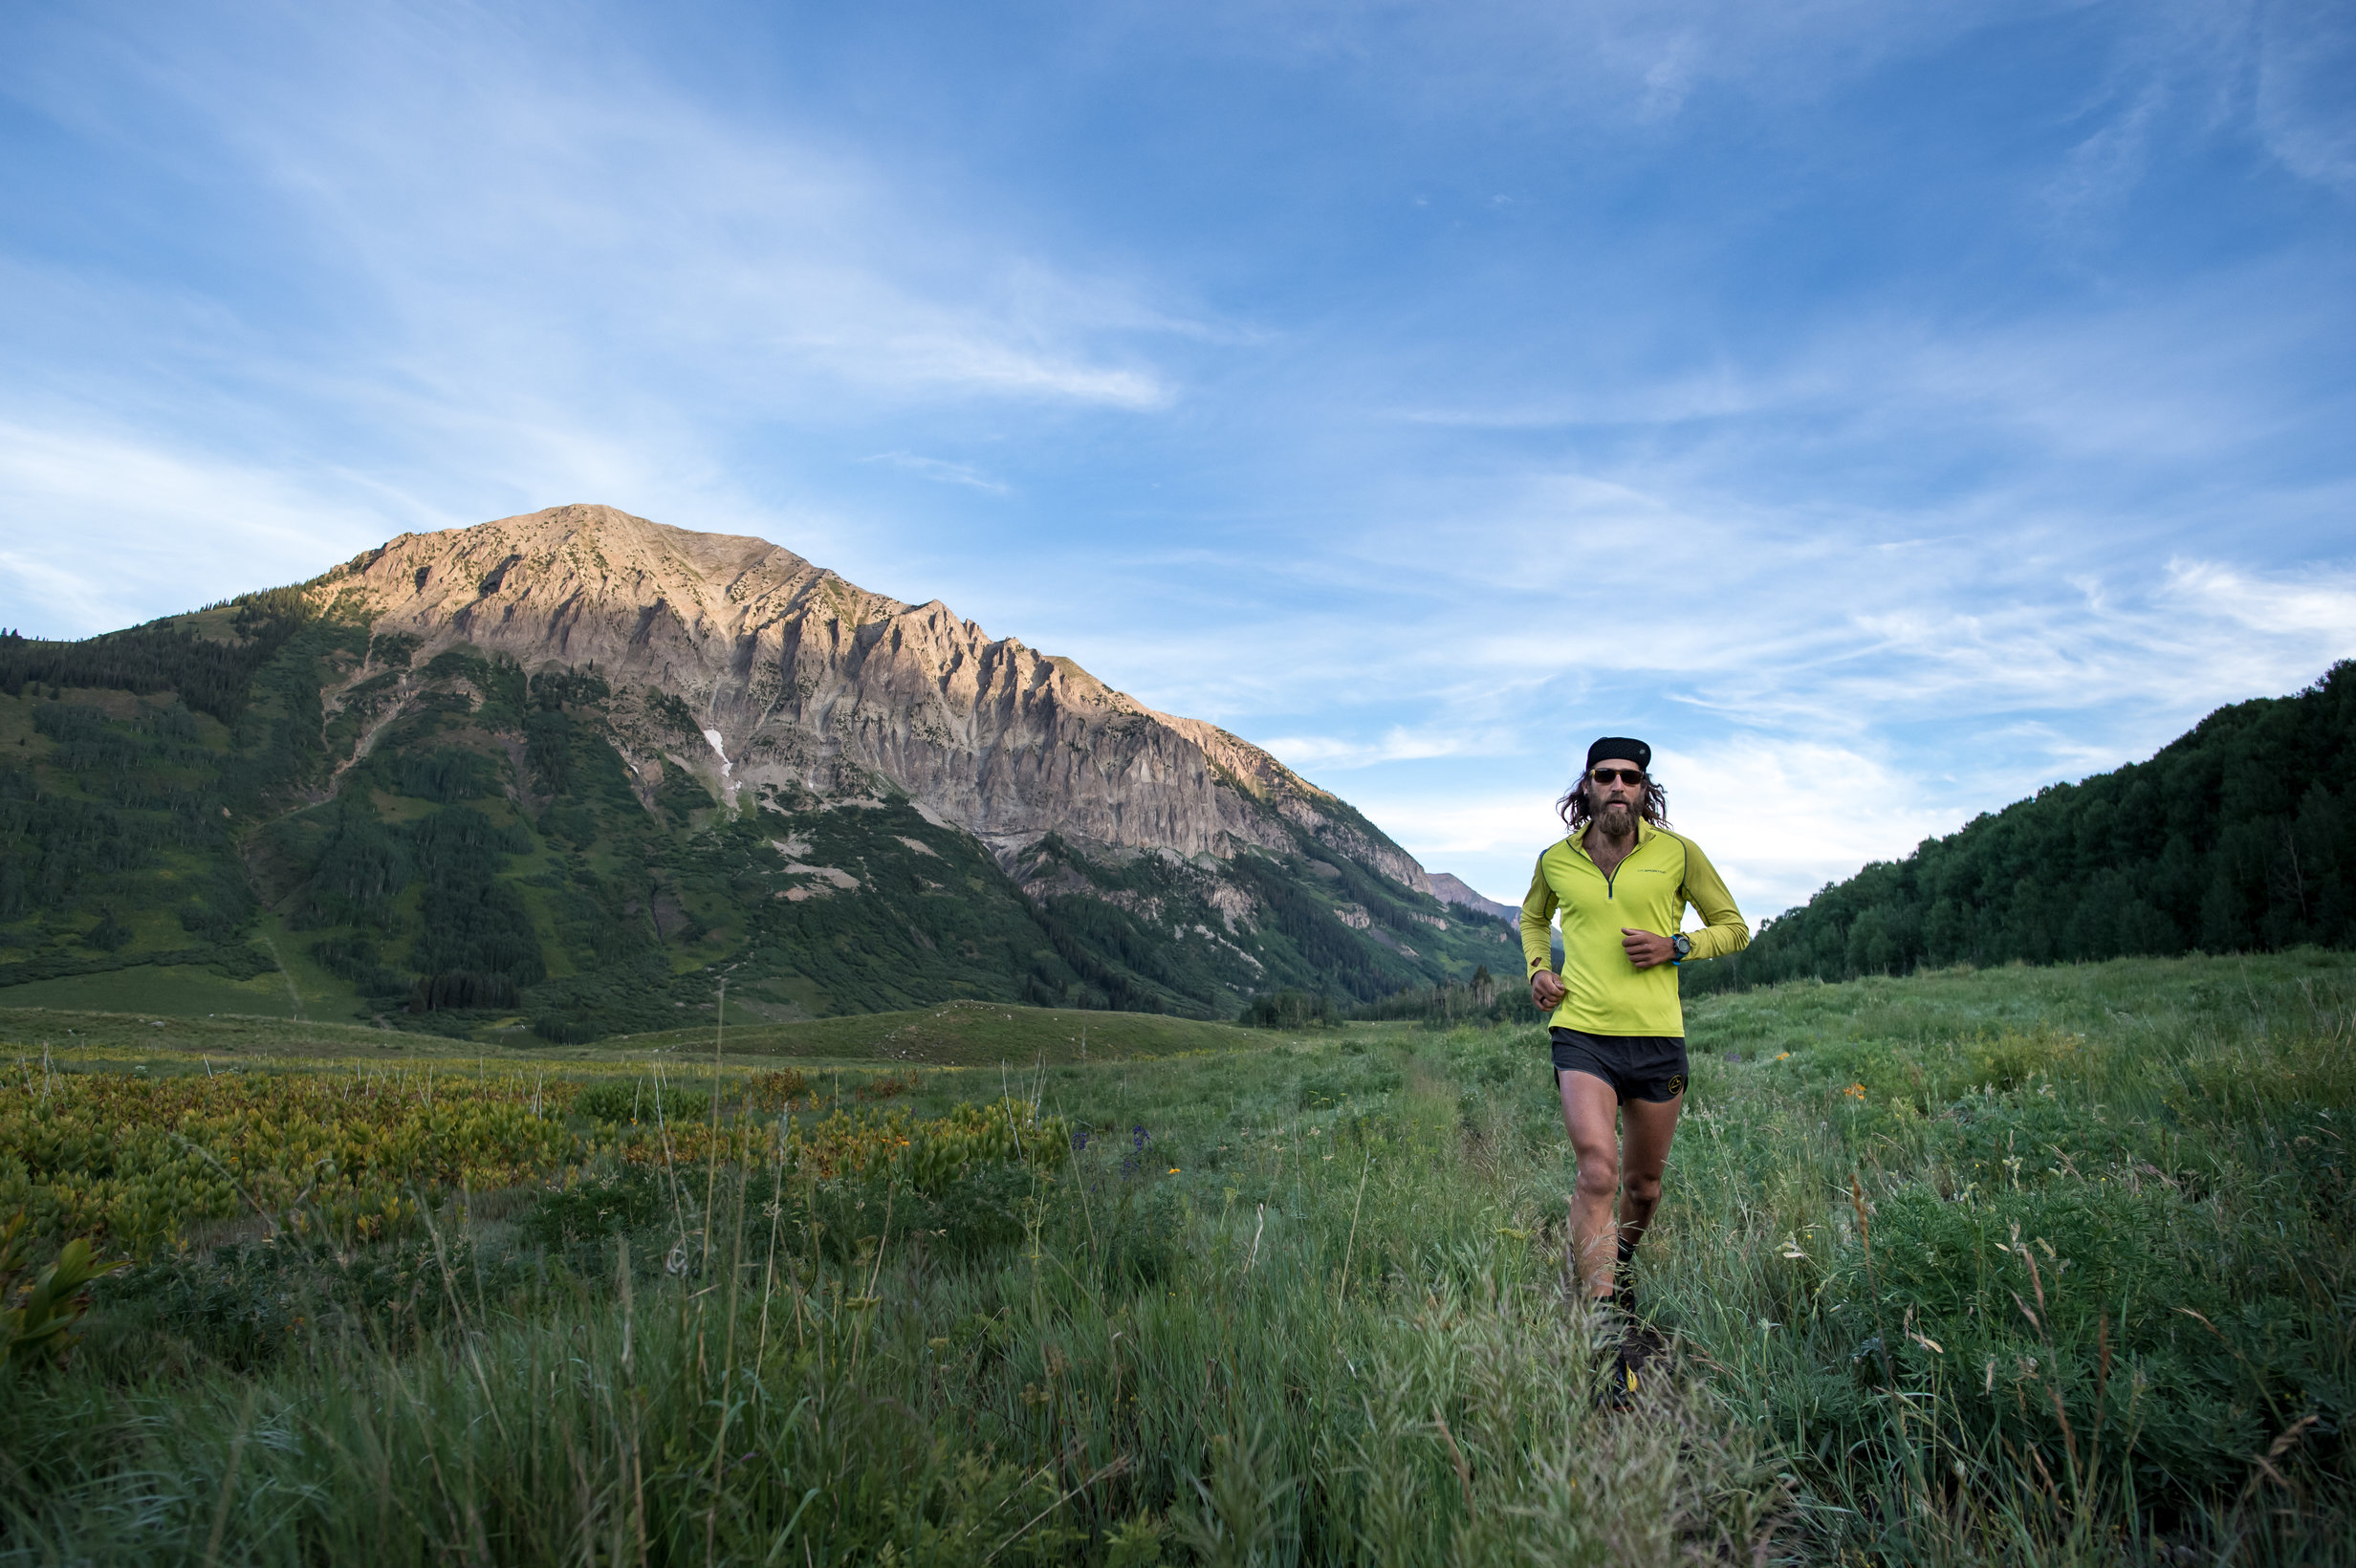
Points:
(1627, 1251)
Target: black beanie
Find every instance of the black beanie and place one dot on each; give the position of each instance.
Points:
(1620, 745)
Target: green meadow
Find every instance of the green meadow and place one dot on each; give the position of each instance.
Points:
(2013, 1265)
(949, 1034)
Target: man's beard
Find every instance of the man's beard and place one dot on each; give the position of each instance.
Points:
(1616, 818)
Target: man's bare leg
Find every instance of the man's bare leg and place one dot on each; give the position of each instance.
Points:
(1590, 1113)
(1611, 1168)
(1644, 1154)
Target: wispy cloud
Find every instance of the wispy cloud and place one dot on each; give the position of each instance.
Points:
(2307, 58)
(1637, 58)
(576, 210)
(1334, 753)
(255, 528)
(940, 470)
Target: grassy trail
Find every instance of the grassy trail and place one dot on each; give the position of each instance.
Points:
(2033, 1266)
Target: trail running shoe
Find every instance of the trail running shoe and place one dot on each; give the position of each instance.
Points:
(1623, 1383)
(1630, 1364)
(1608, 1336)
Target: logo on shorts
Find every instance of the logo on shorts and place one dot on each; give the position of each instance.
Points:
(1676, 1084)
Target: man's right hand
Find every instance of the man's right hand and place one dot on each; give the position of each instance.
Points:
(1547, 991)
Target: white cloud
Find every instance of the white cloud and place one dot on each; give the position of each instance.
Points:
(178, 530)
(2306, 60)
(1781, 817)
(1397, 744)
(2105, 165)
(1488, 836)
(2318, 604)
(940, 472)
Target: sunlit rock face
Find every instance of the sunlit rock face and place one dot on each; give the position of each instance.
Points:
(805, 684)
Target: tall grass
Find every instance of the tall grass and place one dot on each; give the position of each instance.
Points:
(2041, 1266)
(1302, 1304)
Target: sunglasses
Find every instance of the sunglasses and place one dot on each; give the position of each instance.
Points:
(1630, 776)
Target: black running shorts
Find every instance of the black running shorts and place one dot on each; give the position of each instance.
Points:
(1646, 1067)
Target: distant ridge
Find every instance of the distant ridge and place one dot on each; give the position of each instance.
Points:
(1454, 889)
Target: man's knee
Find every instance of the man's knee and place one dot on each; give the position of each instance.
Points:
(1598, 1176)
(1642, 1188)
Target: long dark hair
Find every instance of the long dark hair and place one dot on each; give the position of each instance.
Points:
(1572, 808)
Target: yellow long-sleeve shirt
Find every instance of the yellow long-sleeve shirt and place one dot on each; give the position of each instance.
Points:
(1649, 891)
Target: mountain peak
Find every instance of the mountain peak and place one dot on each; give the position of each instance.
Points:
(1450, 888)
(805, 684)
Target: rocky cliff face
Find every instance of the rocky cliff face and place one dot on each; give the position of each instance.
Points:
(804, 684)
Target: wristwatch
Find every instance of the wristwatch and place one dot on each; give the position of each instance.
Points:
(1684, 945)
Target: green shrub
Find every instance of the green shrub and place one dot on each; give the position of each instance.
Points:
(1287, 1009)
(565, 1029)
(780, 1090)
(2026, 1293)
(638, 1100)
(624, 1198)
(247, 1305)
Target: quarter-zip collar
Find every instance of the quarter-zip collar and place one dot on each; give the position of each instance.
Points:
(1645, 833)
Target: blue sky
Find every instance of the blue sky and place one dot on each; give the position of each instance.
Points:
(1884, 409)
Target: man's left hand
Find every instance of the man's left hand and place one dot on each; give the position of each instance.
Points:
(1646, 949)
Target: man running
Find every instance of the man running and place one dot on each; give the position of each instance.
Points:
(1622, 880)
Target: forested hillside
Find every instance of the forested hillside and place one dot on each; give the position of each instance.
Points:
(268, 805)
(2238, 836)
